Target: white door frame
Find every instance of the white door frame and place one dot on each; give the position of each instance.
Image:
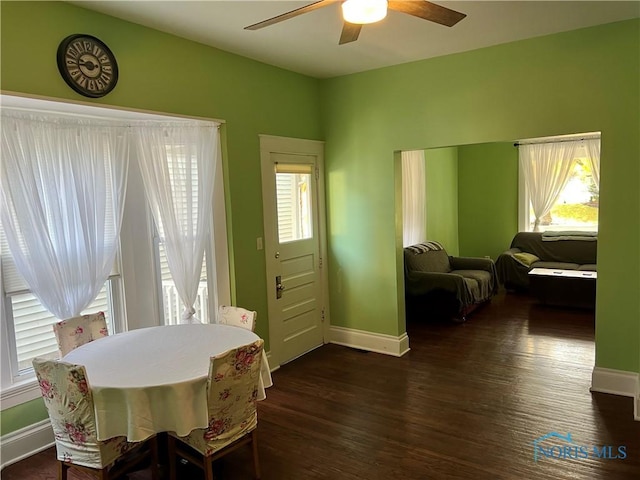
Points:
(288, 145)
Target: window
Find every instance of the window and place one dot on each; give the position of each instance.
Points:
(64, 184)
(177, 163)
(293, 195)
(414, 192)
(31, 328)
(572, 203)
(172, 306)
(577, 205)
(131, 297)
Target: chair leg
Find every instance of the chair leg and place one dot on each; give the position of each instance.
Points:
(63, 470)
(254, 448)
(155, 459)
(208, 468)
(172, 457)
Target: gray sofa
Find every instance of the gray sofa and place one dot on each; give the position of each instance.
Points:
(554, 250)
(438, 285)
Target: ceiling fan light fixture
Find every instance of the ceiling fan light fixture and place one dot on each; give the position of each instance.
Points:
(364, 11)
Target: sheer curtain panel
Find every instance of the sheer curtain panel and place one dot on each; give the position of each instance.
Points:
(592, 147)
(546, 168)
(63, 185)
(414, 207)
(178, 164)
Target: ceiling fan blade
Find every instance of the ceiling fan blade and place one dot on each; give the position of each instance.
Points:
(293, 13)
(350, 32)
(428, 11)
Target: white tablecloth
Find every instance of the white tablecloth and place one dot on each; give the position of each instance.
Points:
(153, 379)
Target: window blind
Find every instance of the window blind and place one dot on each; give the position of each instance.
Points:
(12, 282)
(33, 326)
(32, 323)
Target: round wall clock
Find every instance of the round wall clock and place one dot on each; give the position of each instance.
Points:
(87, 65)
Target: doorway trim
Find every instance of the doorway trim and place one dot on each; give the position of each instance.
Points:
(298, 146)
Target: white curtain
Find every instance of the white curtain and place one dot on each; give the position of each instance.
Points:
(178, 164)
(546, 168)
(592, 147)
(414, 208)
(63, 185)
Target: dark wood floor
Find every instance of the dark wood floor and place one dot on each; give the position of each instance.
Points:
(466, 402)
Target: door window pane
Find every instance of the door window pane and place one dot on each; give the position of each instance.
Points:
(293, 194)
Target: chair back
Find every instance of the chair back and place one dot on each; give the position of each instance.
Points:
(232, 391)
(77, 331)
(68, 400)
(427, 257)
(237, 316)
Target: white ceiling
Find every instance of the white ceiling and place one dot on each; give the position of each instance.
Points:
(308, 44)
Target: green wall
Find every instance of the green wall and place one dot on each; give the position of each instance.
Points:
(441, 171)
(472, 197)
(580, 81)
(487, 198)
(160, 72)
(585, 80)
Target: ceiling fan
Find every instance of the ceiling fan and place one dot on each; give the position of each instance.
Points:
(359, 12)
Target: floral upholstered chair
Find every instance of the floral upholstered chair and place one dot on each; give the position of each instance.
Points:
(77, 331)
(237, 316)
(67, 397)
(232, 390)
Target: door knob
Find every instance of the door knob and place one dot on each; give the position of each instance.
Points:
(279, 287)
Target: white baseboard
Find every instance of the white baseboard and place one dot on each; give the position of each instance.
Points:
(25, 442)
(372, 342)
(618, 382)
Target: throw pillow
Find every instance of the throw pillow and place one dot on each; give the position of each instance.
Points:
(525, 258)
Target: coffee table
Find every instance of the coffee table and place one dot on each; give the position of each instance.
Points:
(565, 288)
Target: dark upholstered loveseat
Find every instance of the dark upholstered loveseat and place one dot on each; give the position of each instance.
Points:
(558, 251)
(441, 286)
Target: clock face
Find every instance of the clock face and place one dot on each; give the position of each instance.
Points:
(87, 65)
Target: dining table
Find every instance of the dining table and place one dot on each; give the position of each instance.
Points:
(154, 379)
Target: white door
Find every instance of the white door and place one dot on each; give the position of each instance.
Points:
(294, 241)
